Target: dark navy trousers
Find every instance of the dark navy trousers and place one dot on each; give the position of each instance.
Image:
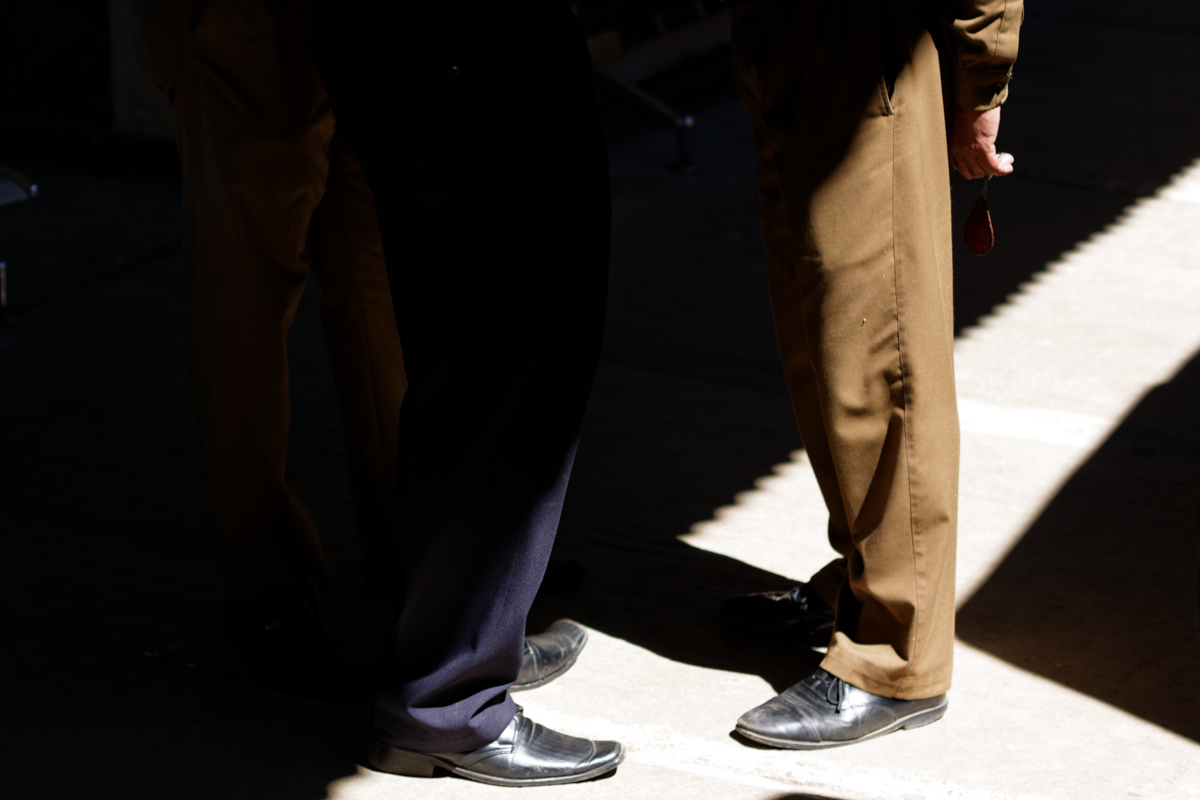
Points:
(477, 130)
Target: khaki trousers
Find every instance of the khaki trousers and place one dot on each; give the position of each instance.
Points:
(269, 193)
(855, 203)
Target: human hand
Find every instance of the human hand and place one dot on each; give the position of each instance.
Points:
(972, 145)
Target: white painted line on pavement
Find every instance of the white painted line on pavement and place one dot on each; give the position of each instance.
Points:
(776, 770)
(1032, 424)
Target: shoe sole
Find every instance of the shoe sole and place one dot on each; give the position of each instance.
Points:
(542, 681)
(917, 719)
(421, 765)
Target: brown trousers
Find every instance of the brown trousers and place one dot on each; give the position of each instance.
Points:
(268, 193)
(855, 201)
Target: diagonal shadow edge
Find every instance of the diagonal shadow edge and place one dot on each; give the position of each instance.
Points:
(1099, 594)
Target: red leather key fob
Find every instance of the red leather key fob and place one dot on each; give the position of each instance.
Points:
(979, 233)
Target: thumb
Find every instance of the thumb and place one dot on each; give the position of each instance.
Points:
(998, 163)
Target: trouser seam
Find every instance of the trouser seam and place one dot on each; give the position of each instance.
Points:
(906, 432)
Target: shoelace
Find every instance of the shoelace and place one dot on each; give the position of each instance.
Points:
(836, 687)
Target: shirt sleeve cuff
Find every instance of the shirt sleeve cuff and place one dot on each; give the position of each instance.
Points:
(978, 90)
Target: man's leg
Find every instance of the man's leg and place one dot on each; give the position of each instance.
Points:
(854, 168)
(482, 146)
(368, 367)
(364, 348)
(252, 126)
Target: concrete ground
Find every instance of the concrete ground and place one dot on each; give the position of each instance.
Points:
(1078, 661)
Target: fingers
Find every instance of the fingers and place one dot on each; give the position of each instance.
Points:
(968, 165)
(972, 144)
(974, 164)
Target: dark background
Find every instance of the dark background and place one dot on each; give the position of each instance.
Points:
(54, 63)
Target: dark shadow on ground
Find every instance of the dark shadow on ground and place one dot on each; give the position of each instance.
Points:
(1101, 593)
(114, 681)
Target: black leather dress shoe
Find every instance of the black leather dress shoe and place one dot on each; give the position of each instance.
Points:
(796, 615)
(526, 754)
(549, 654)
(824, 711)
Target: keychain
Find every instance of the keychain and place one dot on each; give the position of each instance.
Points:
(979, 233)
